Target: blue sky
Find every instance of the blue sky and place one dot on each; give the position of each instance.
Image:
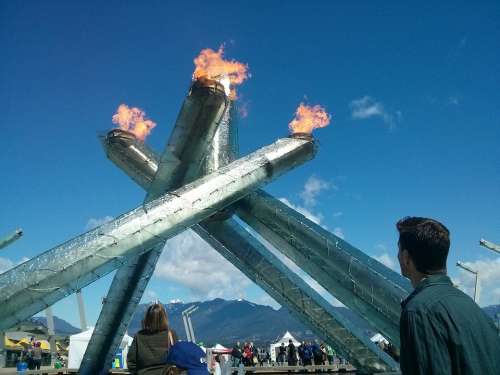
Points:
(412, 89)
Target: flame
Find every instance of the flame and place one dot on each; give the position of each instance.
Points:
(211, 64)
(308, 118)
(133, 120)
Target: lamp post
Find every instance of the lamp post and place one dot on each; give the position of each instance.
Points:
(489, 245)
(475, 273)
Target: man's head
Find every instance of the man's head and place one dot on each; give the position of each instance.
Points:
(423, 246)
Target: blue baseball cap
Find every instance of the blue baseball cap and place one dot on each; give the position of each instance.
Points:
(188, 356)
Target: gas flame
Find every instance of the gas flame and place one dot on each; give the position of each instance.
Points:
(308, 118)
(211, 64)
(133, 120)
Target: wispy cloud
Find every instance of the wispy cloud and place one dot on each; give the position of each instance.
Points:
(315, 217)
(338, 232)
(386, 258)
(454, 100)
(367, 107)
(489, 274)
(94, 222)
(462, 43)
(6, 263)
(192, 263)
(388, 261)
(312, 188)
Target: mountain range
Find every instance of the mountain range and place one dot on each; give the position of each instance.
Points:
(228, 321)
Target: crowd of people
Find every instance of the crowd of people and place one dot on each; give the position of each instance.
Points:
(308, 353)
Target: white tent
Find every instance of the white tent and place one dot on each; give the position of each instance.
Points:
(78, 344)
(378, 337)
(274, 348)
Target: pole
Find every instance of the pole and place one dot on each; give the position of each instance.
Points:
(475, 273)
(51, 334)
(81, 309)
(489, 245)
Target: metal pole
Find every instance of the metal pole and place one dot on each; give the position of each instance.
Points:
(186, 328)
(190, 324)
(81, 309)
(3, 352)
(7, 240)
(475, 273)
(51, 333)
(489, 245)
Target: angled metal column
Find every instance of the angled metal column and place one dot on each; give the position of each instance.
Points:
(257, 262)
(198, 121)
(45, 279)
(10, 238)
(360, 282)
(296, 296)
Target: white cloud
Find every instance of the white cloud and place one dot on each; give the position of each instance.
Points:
(267, 300)
(314, 217)
(489, 274)
(367, 107)
(338, 232)
(388, 261)
(191, 262)
(312, 188)
(94, 222)
(337, 214)
(150, 295)
(5, 264)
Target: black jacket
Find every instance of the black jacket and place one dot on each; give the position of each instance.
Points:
(148, 352)
(444, 332)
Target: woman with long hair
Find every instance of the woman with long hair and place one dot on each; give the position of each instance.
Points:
(152, 343)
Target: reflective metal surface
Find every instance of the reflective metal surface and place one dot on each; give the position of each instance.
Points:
(360, 282)
(43, 280)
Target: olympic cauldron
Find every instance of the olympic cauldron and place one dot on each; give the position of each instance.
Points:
(199, 184)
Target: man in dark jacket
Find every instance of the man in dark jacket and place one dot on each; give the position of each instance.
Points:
(442, 330)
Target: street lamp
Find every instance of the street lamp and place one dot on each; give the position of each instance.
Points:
(489, 245)
(475, 273)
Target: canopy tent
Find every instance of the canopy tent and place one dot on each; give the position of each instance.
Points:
(378, 337)
(78, 344)
(274, 348)
(17, 342)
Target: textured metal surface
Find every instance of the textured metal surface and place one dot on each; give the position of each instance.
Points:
(125, 293)
(244, 252)
(43, 280)
(288, 289)
(128, 153)
(195, 127)
(360, 282)
(206, 108)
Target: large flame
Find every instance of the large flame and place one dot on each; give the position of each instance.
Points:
(211, 64)
(307, 118)
(133, 120)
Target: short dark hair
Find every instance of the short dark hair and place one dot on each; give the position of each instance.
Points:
(156, 319)
(427, 241)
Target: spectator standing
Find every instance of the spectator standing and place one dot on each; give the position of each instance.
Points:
(151, 344)
(37, 356)
(443, 331)
(292, 354)
(281, 354)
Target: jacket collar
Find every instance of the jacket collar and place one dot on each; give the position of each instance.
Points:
(438, 279)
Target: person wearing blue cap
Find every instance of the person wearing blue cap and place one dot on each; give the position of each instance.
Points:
(187, 356)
